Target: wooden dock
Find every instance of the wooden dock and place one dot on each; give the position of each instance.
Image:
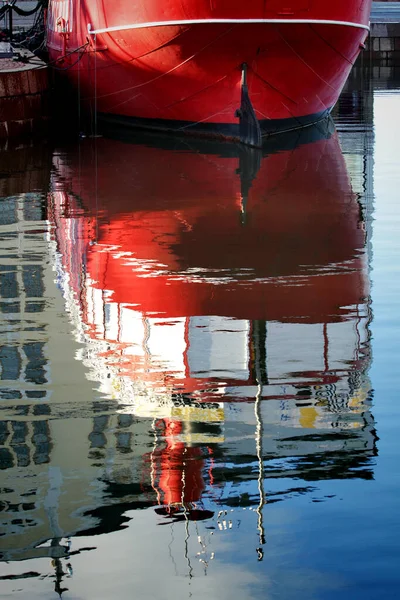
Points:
(24, 96)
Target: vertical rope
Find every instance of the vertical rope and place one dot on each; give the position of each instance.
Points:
(95, 85)
(79, 77)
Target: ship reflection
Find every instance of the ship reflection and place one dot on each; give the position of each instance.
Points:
(201, 281)
(221, 299)
(186, 297)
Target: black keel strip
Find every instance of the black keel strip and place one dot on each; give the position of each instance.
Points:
(219, 131)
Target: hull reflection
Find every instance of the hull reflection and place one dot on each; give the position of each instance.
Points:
(202, 275)
(198, 280)
(199, 284)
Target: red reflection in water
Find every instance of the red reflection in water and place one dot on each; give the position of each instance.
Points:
(199, 271)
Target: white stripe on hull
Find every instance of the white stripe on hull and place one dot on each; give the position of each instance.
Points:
(224, 21)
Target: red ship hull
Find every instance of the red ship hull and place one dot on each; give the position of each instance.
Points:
(181, 68)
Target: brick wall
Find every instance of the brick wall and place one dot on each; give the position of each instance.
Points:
(383, 44)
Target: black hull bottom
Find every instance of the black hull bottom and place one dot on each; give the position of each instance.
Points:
(216, 131)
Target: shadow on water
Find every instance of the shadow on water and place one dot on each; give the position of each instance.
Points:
(219, 304)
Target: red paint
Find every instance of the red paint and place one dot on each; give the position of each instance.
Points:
(192, 73)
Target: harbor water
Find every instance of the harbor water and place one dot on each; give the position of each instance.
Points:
(199, 362)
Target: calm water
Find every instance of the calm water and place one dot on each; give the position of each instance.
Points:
(199, 364)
